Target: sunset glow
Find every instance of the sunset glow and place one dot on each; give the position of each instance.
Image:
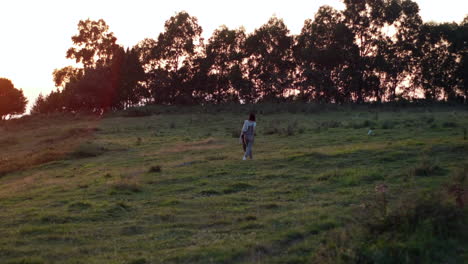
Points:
(36, 34)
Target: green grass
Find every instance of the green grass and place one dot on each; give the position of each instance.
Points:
(164, 185)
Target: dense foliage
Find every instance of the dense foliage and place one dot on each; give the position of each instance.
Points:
(12, 100)
(372, 51)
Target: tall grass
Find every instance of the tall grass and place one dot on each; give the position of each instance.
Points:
(425, 228)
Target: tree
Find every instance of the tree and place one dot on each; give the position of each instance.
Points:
(67, 74)
(127, 73)
(94, 45)
(215, 80)
(438, 63)
(397, 51)
(12, 100)
(110, 79)
(94, 92)
(39, 105)
(175, 52)
(52, 103)
(270, 64)
(144, 52)
(461, 49)
(323, 53)
(365, 18)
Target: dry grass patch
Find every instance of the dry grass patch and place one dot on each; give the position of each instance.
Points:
(205, 144)
(42, 145)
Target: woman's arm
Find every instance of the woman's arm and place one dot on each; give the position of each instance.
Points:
(244, 128)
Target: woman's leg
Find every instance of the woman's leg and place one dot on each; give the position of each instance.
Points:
(248, 153)
(244, 146)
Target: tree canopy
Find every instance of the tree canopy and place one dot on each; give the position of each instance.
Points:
(12, 100)
(372, 51)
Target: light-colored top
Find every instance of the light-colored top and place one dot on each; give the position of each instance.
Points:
(248, 129)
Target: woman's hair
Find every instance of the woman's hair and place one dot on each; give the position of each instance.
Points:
(252, 117)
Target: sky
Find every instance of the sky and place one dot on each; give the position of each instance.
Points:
(35, 35)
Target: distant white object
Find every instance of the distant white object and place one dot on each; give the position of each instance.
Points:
(371, 132)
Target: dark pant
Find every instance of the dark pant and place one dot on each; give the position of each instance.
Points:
(249, 144)
(244, 145)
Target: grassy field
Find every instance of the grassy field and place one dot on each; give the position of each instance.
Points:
(171, 187)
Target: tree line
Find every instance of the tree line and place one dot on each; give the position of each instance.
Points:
(372, 51)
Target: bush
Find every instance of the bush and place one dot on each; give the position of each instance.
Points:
(156, 168)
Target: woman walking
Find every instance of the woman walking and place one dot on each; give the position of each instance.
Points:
(247, 136)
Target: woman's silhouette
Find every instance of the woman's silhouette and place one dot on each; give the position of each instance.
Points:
(247, 135)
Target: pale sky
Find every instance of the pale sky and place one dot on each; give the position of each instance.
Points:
(35, 35)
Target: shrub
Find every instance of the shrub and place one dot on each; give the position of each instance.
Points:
(156, 168)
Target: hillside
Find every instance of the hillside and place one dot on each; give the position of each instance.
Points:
(169, 186)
